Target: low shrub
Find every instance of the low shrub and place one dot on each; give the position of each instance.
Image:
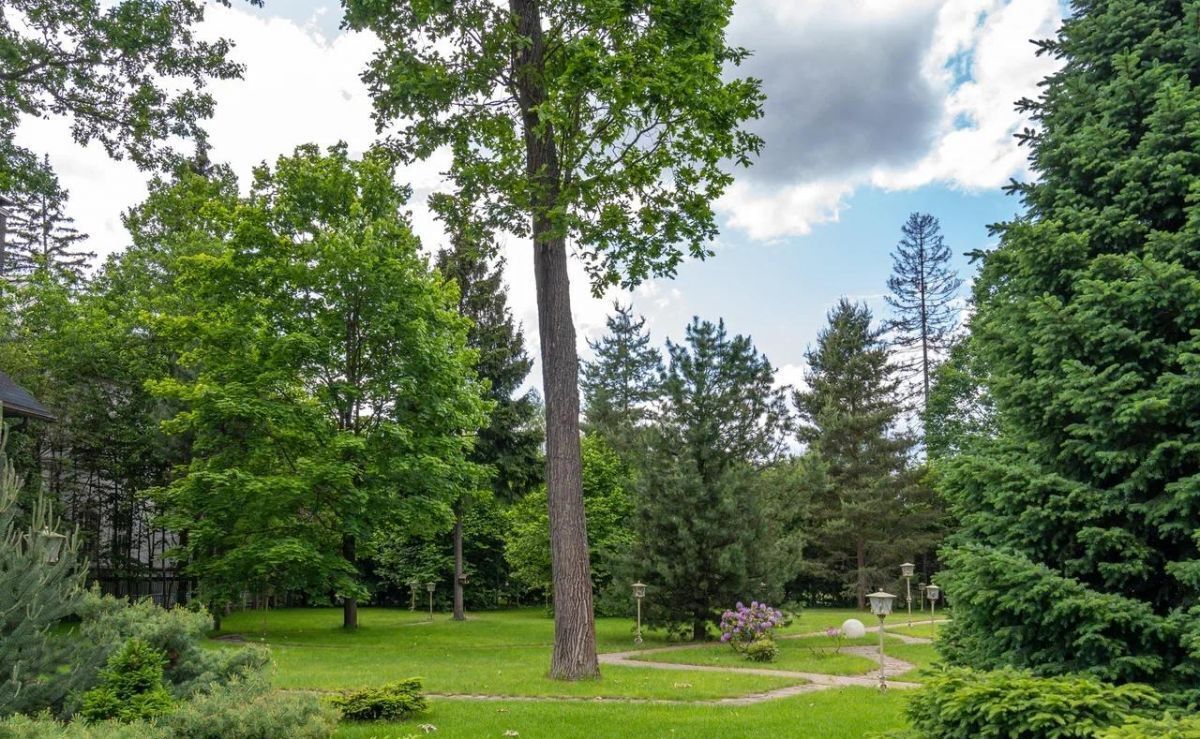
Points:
(1167, 727)
(391, 702)
(176, 633)
(131, 686)
(762, 650)
(961, 703)
(45, 727)
(247, 709)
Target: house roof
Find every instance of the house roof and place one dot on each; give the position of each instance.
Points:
(16, 401)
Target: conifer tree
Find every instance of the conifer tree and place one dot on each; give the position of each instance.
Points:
(622, 382)
(41, 236)
(1079, 549)
(699, 520)
(870, 513)
(923, 288)
(38, 668)
(509, 446)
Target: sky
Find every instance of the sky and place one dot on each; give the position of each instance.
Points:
(875, 109)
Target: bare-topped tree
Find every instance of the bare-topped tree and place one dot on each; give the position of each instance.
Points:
(923, 290)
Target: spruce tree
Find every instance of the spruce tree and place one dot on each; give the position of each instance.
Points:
(700, 545)
(923, 288)
(1080, 548)
(41, 236)
(622, 382)
(870, 514)
(510, 444)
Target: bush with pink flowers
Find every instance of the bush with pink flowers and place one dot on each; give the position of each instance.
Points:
(745, 625)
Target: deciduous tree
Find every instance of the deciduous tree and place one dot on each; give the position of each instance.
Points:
(610, 125)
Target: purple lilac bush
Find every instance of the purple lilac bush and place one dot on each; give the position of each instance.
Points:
(746, 624)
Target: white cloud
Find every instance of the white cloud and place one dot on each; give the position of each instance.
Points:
(978, 58)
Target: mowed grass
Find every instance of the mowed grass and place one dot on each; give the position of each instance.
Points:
(493, 653)
(809, 654)
(842, 713)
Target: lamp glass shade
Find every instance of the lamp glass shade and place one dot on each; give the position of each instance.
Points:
(932, 592)
(52, 543)
(881, 603)
(430, 586)
(906, 569)
(639, 590)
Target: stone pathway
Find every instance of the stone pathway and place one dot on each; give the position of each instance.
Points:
(814, 681)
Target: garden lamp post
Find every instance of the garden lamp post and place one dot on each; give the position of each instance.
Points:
(906, 570)
(932, 593)
(413, 585)
(921, 587)
(429, 586)
(639, 592)
(52, 542)
(881, 606)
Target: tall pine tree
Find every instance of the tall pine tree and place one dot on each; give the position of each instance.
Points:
(622, 382)
(1080, 549)
(510, 444)
(870, 514)
(700, 523)
(923, 288)
(41, 236)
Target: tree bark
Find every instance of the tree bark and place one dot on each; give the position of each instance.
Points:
(459, 613)
(574, 654)
(349, 603)
(862, 566)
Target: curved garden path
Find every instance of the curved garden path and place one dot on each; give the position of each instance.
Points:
(813, 681)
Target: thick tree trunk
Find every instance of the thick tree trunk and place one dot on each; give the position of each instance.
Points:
(574, 654)
(574, 626)
(459, 613)
(349, 603)
(699, 630)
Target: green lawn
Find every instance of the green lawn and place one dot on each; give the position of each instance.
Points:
(844, 713)
(799, 655)
(507, 653)
(500, 653)
(925, 631)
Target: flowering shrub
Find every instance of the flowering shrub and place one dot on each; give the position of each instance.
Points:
(744, 625)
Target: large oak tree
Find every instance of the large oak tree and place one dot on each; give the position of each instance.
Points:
(610, 124)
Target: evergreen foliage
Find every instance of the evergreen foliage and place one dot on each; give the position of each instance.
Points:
(621, 383)
(849, 420)
(40, 234)
(131, 686)
(964, 704)
(699, 520)
(1079, 548)
(38, 668)
(923, 289)
(510, 444)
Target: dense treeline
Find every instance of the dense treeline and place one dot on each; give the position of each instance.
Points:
(245, 397)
